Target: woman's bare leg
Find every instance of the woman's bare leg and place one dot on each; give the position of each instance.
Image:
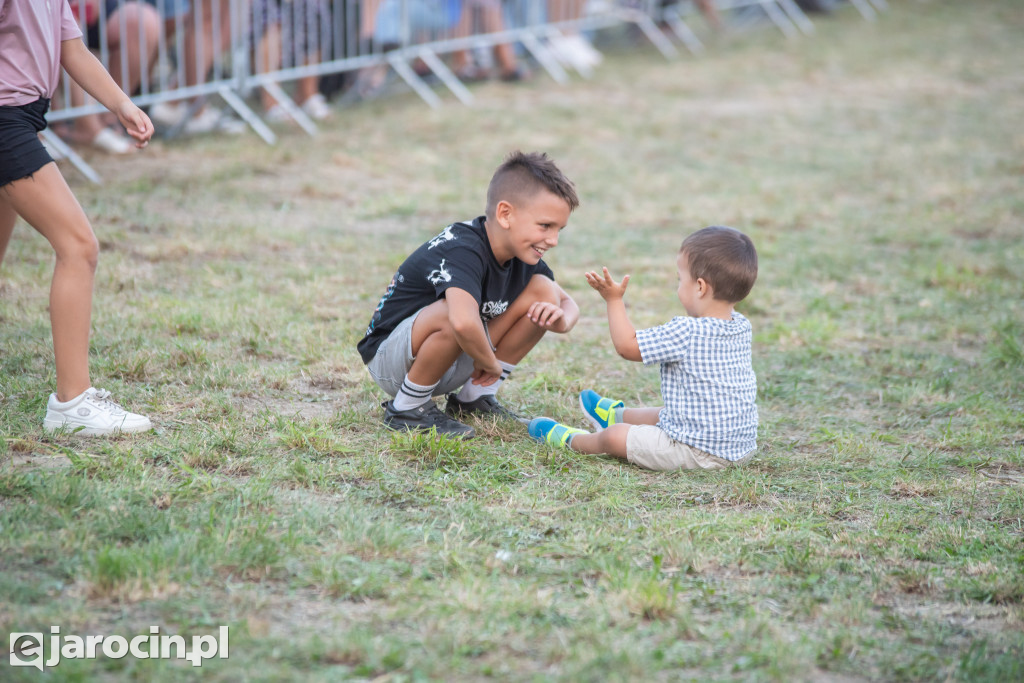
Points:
(46, 203)
(8, 217)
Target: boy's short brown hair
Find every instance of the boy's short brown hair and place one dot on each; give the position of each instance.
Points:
(725, 258)
(524, 174)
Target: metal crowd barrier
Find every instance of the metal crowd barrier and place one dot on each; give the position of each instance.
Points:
(185, 51)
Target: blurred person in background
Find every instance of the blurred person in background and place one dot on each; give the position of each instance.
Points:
(203, 46)
(290, 33)
(132, 34)
(486, 16)
(569, 45)
(382, 23)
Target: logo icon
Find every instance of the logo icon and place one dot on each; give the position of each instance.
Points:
(27, 650)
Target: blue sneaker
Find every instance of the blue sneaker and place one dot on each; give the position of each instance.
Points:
(600, 411)
(554, 433)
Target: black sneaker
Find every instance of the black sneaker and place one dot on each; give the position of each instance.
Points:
(485, 405)
(424, 418)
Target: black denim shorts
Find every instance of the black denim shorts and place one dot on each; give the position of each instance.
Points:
(21, 151)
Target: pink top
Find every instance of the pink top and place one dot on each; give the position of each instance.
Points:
(31, 32)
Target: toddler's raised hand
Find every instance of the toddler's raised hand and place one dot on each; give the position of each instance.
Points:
(607, 287)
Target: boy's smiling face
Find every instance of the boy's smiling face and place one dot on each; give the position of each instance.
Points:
(530, 227)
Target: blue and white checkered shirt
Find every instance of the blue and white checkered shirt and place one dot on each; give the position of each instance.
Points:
(707, 382)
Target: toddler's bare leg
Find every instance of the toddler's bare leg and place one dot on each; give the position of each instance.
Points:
(46, 202)
(641, 416)
(512, 333)
(434, 346)
(611, 441)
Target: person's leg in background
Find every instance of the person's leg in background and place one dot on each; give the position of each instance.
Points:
(571, 47)
(204, 47)
(132, 35)
(134, 31)
(488, 17)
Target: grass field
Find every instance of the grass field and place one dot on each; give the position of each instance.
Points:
(878, 535)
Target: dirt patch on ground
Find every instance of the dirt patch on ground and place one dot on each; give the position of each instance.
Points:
(307, 397)
(974, 618)
(43, 462)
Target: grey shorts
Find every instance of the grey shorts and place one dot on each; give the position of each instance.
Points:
(394, 358)
(650, 447)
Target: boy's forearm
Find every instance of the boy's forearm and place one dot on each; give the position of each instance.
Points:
(473, 340)
(83, 67)
(570, 314)
(468, 328)
(622, 331)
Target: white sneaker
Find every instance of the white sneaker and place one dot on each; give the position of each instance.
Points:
(209, 120)
(277, 114)
(167, 114)
(574, 50)
(316, 107)
(112, 143)
(213, 120)
(92, 413)
(586, 49)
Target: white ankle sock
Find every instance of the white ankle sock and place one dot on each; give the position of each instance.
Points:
(412, 395)
(471, 392)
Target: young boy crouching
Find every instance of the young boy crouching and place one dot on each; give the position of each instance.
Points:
(468, 305)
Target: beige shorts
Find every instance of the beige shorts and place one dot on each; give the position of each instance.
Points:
(649, 447)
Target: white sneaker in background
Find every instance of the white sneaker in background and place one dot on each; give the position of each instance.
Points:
(167, 114)
(213, 120)
(277, 114)
(586, 49)
(574, 50)
(112, 142)
(316, 107)
(208, 120)
(92, 413)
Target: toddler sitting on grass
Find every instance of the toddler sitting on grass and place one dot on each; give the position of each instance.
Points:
(709, 418)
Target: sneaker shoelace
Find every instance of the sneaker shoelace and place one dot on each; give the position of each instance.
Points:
(437, 416)
(103, 401)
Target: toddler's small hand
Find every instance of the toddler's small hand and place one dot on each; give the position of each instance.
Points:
(606, 286)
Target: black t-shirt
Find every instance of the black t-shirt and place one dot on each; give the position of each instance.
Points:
(459, 257)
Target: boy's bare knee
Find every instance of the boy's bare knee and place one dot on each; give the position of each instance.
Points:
(613, 439)
(444, 334)
(432, 333)
(541, 288)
